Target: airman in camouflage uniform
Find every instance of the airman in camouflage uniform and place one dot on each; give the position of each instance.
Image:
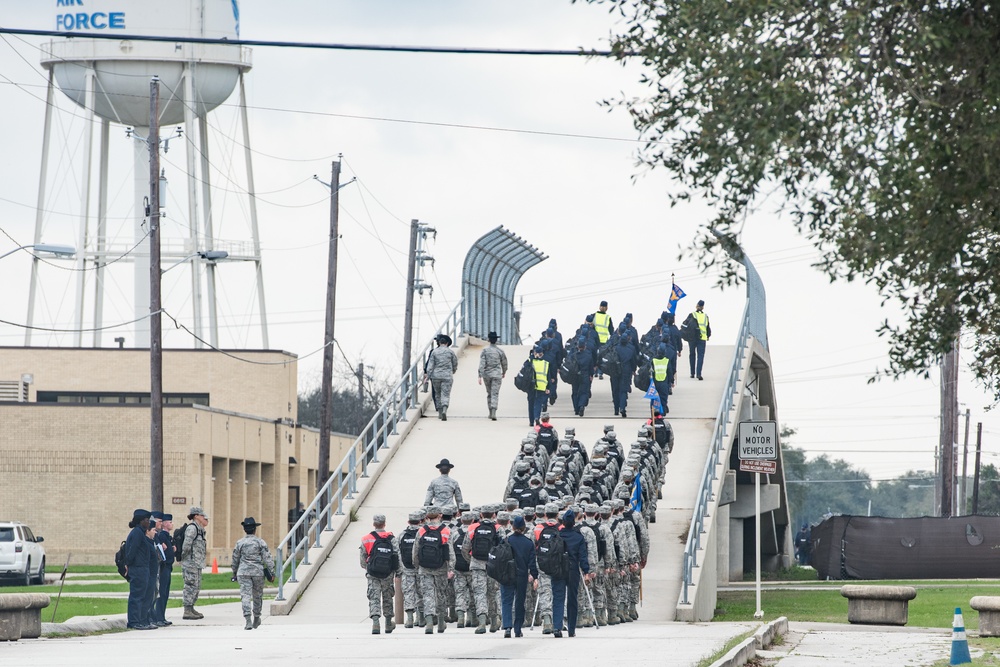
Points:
(492, 369)
(599, 584)
(381, 591)
(544, 580)
(193, 554)
(408, 578)
(485, 590)
(441, 367)
(465, 605)
(625, 536)
(250, 557)
(434, 581)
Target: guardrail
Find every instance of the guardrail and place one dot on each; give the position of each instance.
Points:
(293, 550)
(718, 444)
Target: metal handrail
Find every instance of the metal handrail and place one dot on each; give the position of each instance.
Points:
(343, 481)
(712, 462)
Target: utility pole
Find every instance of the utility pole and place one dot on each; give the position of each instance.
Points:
(965, 465)
(415, 283)
(326, 395)
(155, 330)
(360, 373)
(949, 423)
(975, 481)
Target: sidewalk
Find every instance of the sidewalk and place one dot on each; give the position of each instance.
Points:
(829, 644)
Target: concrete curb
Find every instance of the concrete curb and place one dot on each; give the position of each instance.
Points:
(318, 555)
(747, 649)
(83, 627)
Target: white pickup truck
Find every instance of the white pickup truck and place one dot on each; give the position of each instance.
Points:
(22, 556)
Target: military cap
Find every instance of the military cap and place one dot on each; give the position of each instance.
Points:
(252, 522)
(618, 503)
(628, 472)
(510, 504)
(416, 516)
(565, 446)
(517, 512)
(539, 509)
(550, 475)
(576, 509)
(591, 508)
(433, 512)
(529, 512)
(139, 515)
(566, 500)
(168, 517)
(529, 447)
(519, 522)
(468, 517)
(422, 513)
(570, 430)
(551, 508)
(608, 428)
(544, 416)
(503, 516)
(606, 510)
(156, 515)
(464, 507)
(598, 462)
(527, 440)
(535, 479)
(522, 466)
(590, 318)
(600, 448)
(611, 435)
(195, 509)
(427, 508)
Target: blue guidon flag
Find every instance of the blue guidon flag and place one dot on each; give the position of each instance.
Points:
(676, 294)
(637, 494)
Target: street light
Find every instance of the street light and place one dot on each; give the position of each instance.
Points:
(58, 250)
(209, 255)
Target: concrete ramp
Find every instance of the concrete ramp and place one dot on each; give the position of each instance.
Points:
(482, 450)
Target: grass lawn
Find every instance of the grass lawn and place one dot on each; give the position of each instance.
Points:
(212, 582)
(934, 606)
(70, 607)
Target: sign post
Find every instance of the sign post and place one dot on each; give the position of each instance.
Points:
(758, 451)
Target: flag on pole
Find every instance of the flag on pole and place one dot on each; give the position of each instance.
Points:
(637, 494)
(676, 294)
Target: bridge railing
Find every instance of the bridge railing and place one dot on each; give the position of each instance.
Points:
(293, 549)
(717, 446)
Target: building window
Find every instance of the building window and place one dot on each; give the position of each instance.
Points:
(117, 398)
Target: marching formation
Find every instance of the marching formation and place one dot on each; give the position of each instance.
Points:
(569, 517)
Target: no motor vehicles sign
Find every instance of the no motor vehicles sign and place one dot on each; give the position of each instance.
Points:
(758, 440)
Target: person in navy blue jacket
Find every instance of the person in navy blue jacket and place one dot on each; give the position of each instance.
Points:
(137, 554)
(565, 591)
(164, 543)
(512, 597)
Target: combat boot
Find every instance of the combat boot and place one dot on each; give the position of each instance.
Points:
(602, 617)
(442, 623)
(249, 624)
(429, 626)
(375, 627)
(409, 619)
(493, 414)
(190, 614)
(419, 622)
(495, 624)
(481, 630)
(452, 615)
(612, 616)
(197, 614)
(444, 414)
(546, 624)
(633, 613)
(461, 619)
(256, 622)
(390, 624)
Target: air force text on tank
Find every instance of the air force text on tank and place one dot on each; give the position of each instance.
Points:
(758, 440)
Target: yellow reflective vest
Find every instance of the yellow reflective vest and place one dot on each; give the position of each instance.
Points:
(541, 374)
(660, 367)
(702, 319)
(602, 324)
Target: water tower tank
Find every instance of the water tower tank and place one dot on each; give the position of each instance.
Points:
(123, 68)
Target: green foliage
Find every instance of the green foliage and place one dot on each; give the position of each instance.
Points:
(350, 411)
(989, 491)
(822, 486)
(875, 122)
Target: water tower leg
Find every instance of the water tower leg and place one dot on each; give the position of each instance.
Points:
(253, 215)
(206, 175)
(40, 206)
(81, 247)
(100, 258)
(192, 189)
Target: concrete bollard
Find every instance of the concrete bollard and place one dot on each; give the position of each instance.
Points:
(21, 615)
(988, 607)
(878, 605)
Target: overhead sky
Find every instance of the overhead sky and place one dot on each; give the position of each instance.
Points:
(464, 143)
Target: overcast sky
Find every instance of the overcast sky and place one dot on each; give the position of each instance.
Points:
(463, 143)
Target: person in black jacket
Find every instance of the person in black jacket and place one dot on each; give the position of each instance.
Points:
(164, 541)
(512, 597)
(137, 555)
(565, 591)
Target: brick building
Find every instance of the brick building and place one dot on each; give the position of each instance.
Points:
(74, 444)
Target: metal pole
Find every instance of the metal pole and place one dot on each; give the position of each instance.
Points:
(411, 270)
(360, 373)
(155, 332)
(975, 481)
(965, 465)
(326, 411)
(760, 612)
(251, 190)
(40, 206)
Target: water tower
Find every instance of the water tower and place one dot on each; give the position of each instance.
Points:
(109, 79)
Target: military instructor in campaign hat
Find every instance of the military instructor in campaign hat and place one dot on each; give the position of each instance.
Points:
(443, 491)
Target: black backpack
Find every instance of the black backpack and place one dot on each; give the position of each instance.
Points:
(501, 565)
(179, 541)
(690, 331)
(461, 564)
(527, 498)
(432, 546)
(550, 553)
(525, 378)
(406, 541)
(120, 562)
(569, 369)
(382, 561)
(483, 539)
(642, 375)
(609, 361)
(547, 438)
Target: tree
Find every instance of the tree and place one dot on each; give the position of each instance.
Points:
(351, 412)
(875, 121)
(989, 491)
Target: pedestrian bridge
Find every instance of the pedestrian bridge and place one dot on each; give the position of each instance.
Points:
(702, 489)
